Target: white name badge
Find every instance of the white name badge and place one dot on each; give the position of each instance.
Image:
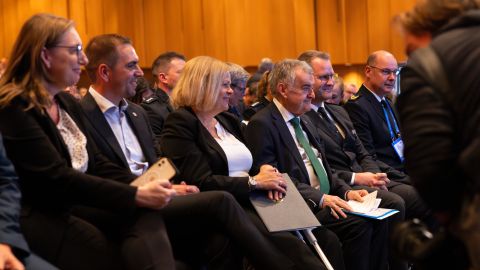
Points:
(398, 146)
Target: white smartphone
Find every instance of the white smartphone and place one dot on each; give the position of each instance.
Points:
(163, 169)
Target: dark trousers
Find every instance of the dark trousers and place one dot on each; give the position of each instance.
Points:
(69, 242)
(391, 200)
(364, 241)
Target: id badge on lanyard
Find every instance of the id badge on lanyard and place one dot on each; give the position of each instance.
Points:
(397, 144)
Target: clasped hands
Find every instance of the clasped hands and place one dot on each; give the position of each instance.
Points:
(270, 180)
(374, 180)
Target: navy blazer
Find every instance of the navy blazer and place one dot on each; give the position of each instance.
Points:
(10, 233)
(369, 120)
(105, 138)
(350, 155)
(270, 141)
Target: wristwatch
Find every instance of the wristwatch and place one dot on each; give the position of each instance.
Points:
(252, 183)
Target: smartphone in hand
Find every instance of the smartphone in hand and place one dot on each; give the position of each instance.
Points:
(162, 169)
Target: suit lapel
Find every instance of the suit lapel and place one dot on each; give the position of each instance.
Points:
(98, 121)
(374, 104)
(209, 140)
(340, 120)
(141, 131)
(323, 125)
(286, 138)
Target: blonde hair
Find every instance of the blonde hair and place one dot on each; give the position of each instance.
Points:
(25, 70)
(428, 16)
(200, 83)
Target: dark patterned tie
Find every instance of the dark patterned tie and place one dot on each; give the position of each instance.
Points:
(330, 124)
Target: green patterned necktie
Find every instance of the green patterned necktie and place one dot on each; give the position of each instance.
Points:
(317, 166)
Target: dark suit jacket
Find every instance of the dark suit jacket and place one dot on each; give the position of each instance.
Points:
(41, 159)
(270, 141)
(441, 132)
(105, 138)
(255, 107)
(157, 107)
(199, 158)
(350, 155)
(50, 186)
(369, 120)
(10, 233)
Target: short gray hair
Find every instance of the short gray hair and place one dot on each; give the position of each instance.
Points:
(309, 55)
(284, 72)
(237, 73)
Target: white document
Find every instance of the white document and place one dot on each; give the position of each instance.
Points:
(369, 207)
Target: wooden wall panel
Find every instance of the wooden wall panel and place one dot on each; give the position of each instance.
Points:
(357, 32)
(304, 19)
(397, 44)
(174, 26)
(193, 27)
(238, 35)
(3, 43)
(15, 13)
(330, 29)
(240, 31)
(94, 19)
(214, 30)
(378, 25)
(154, 29)
(76, 12)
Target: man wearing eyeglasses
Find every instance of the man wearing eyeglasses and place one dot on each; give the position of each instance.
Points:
(372, 113)
(346, 155)
(238, 77)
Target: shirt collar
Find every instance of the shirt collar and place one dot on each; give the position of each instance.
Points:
(376, 96)
(104, 104)
(315, 107)
(287, 116)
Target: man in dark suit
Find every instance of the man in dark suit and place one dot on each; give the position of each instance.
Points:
(166, 70)
(13, 247)
(372, 113)
(347, 156)
(279, 135)
(123, 133)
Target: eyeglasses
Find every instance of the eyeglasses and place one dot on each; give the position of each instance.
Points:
(74, 48)
(234, 86)
(386, 71)
(327, 77)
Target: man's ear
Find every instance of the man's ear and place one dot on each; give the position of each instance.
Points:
(368, 70)
(46, 57)
(103, 72)
(282, 90)
(162, 77)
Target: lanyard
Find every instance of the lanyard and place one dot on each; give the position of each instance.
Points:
(397, 130)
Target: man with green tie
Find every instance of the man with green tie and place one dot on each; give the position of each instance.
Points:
(280, 136)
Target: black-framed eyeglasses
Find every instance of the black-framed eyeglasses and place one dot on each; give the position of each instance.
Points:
(386, 71)
(327, 77)
(234, 86)
(74, 48)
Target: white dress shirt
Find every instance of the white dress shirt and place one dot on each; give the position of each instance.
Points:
(127, 139)
(287, 116)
